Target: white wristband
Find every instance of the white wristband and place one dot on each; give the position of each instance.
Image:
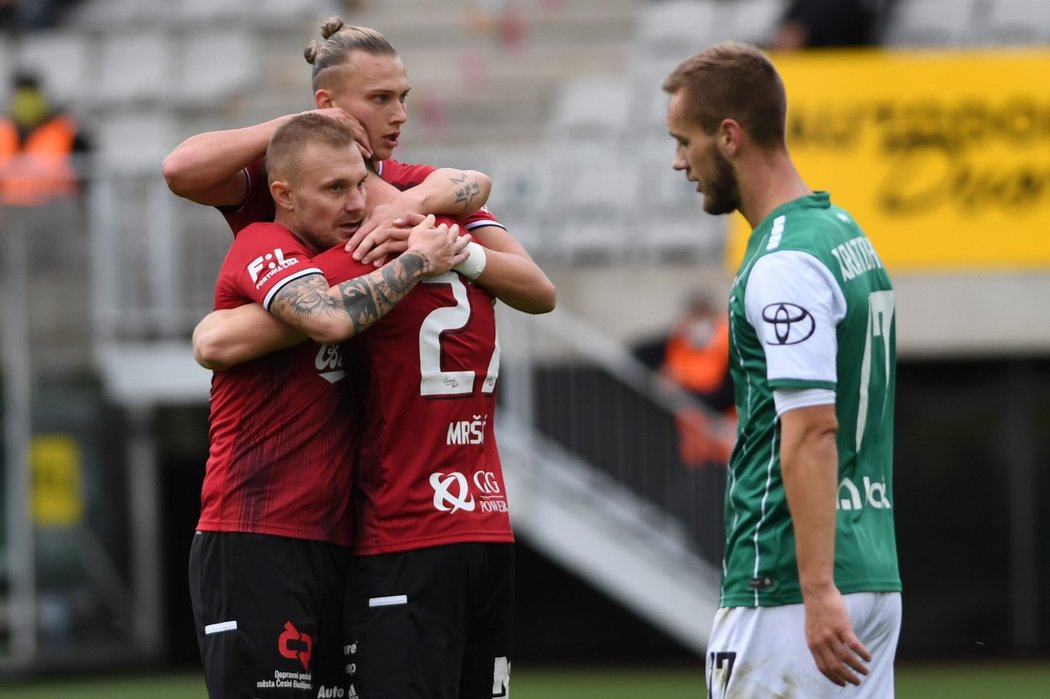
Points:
(474, 265)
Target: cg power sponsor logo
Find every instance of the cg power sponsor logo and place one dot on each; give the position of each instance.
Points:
(851, 497)
(453, 492)
(272, 262)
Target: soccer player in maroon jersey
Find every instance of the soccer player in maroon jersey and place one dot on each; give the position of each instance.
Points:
(357, 76)
(272, 544)
(430, 591)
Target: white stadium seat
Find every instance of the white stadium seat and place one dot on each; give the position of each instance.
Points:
(929, 23)
(1013, 22)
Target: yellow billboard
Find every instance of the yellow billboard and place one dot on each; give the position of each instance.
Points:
(942, 157)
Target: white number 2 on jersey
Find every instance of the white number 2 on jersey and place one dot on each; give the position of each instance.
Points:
(434, 381)
(880, 317)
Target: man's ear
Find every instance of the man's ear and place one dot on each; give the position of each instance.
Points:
(282, 195)
(323, 98)
(729, 136)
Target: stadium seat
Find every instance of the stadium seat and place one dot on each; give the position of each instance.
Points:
(214, 66)
(106, 15)
(520, 192)
(214, 13)
(590, 107)
(278, 13)
(1013, 22)
(135, 140)
(929, 23)
(591, 209)
(134, 67)
(677, 27)
(751, 21)
(61, 58)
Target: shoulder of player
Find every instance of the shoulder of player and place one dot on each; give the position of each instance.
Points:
(814, 230)
(339, 266)
(399, 174)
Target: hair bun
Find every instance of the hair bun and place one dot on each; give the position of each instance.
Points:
(331, 26)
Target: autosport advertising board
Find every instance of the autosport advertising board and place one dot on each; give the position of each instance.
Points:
(942, 157)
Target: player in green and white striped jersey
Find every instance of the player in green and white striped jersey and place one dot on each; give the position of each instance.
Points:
(810, 570)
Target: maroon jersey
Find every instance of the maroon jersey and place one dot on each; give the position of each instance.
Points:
(428, 471)
(258, 204)
(282, 427)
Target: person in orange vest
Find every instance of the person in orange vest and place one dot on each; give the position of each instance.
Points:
(696, 357)
(43, 226)
(39, 148)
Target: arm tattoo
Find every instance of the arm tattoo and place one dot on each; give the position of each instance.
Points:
(368, 298)
(302, 298)
(466, 190)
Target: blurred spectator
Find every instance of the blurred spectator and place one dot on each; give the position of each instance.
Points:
(17, 16)
(695, 356)
(40, 147)
(42, 153)
(830, 23)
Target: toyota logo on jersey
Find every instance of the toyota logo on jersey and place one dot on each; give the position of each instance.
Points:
(787, 324)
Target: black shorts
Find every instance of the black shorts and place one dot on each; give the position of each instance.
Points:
(268, 612)
(433, 623)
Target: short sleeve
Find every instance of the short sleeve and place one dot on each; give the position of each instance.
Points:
(259, 263)
(794, 304)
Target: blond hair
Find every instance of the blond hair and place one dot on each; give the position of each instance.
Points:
(339, 40)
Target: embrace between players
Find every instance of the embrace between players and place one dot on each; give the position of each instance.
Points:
(354, 540)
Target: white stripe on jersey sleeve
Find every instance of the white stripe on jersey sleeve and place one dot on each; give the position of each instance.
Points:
(280, 285)
(786, 399)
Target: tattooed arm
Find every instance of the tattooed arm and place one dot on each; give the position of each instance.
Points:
(451, 191)
(308, 307)
(330, 315)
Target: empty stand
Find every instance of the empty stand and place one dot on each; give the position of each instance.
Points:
(928, 23)
(677, 27)
(215, 66)
(751, 21)
(590, 107)
(1012, 22)
(134, 67)
(214, 13)
(135, 140)
(62, 58)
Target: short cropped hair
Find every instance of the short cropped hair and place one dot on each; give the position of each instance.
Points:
(339, 40)
(736, 81)
(289, 141)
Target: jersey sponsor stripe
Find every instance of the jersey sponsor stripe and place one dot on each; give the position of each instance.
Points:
(220, 627)
(388, 601)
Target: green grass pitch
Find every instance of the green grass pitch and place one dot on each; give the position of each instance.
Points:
(963, 681)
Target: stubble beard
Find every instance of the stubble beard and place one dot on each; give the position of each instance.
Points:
(721, 192)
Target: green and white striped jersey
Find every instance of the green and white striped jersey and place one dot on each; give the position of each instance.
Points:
(811, 308)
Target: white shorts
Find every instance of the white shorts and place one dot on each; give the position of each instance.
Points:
(757, 652)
